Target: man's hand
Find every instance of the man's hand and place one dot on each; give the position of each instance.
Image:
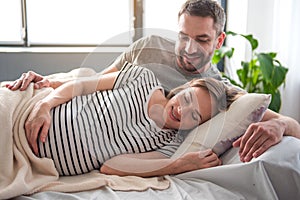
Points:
(258, 138)
(37, 124)
(26, 78)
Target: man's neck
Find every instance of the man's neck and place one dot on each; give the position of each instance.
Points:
(199, 71)
(203, 69)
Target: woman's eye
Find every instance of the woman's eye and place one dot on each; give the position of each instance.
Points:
(186, 98)
(195, 117)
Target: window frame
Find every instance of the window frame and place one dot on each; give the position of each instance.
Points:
(137, 5)
(137, 21)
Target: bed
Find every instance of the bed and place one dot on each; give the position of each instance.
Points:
(273, 175)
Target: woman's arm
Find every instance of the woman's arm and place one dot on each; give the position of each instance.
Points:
(81, 86)
(156, 164)
(41, 81)
(38, 122)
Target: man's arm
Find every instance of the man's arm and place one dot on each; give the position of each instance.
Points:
(262, 135)
(290, 125)
(156, 164)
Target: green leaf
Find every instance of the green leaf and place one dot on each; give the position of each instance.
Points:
(255, 75)
(231, 33)
(221, 53)
(278, 76)
(228, 52)
(275, 102)
(231, 80)
(266, 65)
(252, 40)
(216, 57)
(262, 73)
(273, 54)
(268, 87)
(242, 74)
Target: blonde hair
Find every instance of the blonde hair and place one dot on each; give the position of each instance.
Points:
(224, 95)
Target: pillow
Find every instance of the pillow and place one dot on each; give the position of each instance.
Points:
(222, 130)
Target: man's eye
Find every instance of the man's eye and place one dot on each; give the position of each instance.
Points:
(201, 41)
(184, 38)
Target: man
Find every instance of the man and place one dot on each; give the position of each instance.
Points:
(201, 24)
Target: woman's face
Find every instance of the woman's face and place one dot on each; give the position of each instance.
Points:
(188, 109)
(197, 41)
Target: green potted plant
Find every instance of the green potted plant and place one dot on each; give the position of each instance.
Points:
(263, 73)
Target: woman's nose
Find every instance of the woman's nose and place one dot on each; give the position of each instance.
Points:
(179, 110)
(182, 110)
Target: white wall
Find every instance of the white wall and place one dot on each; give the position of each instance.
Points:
(13, 64)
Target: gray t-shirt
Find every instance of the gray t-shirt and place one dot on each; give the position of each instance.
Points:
(158, 55)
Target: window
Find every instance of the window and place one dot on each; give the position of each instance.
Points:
(85, 22)
(65, 22)
(11, 30)
(160, 17)
(78, 22)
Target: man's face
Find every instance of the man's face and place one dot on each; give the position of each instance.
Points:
(197, 41)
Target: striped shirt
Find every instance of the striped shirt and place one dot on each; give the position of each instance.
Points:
(90, 129)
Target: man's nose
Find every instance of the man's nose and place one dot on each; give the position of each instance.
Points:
(191, 46)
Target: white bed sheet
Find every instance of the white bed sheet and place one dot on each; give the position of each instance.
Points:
(274, 175)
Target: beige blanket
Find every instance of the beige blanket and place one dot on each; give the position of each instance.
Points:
(21, 172)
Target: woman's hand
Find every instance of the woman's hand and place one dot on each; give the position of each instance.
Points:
(156, 164)
(196, 160)
(26, 78)
(37, 124)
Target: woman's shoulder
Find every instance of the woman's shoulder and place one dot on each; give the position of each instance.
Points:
(132, 68)
(131, 72)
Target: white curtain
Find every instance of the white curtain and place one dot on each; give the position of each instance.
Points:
(286, 41)
(276, 24)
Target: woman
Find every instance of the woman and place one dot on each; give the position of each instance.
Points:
(126, 114)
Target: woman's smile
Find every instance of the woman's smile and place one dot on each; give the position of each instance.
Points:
(174, 116)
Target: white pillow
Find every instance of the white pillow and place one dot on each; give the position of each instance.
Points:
(219, 132)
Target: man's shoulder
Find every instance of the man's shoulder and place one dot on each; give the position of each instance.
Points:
(160, 38)
(156, 40)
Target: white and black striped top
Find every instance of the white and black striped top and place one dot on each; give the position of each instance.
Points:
(88, 130)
